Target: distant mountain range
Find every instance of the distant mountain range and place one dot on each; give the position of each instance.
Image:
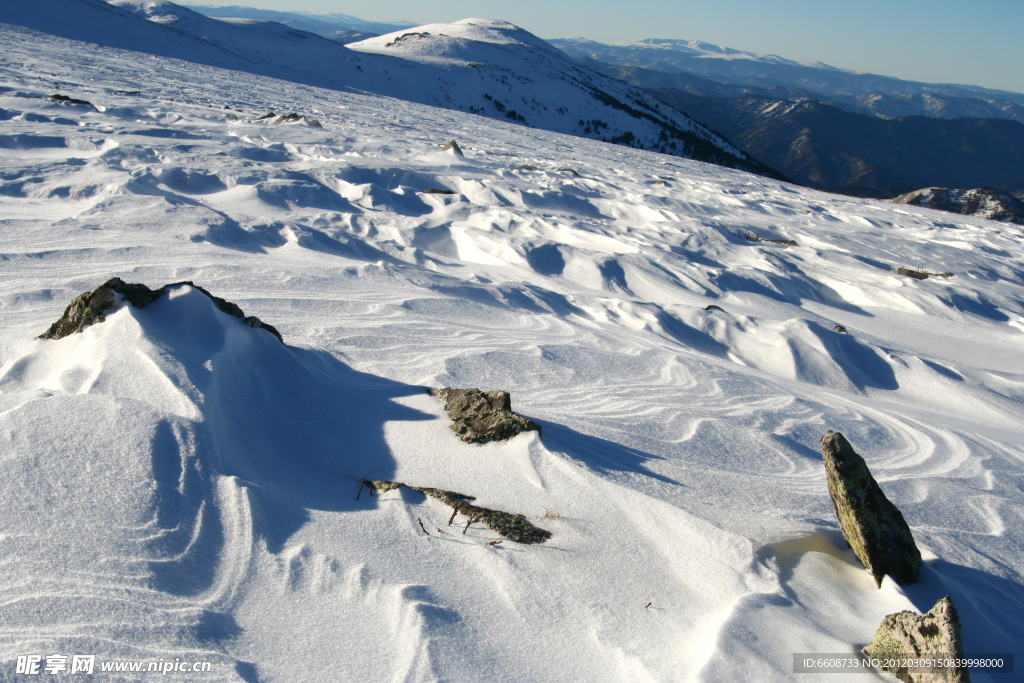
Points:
(748, 70)
(872, 103)
(824, 127)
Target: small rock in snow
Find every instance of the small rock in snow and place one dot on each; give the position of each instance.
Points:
(479, 417)
(454, 147)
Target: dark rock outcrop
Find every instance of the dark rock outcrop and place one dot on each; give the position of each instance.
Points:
(872, 525)
(908, 635)
(513, 527)
(479, 417)
(89, 307)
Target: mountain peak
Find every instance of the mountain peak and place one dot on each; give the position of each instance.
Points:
(450, 40)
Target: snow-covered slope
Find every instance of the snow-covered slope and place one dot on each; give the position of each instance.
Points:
(284, 52)
(499, 70)
(164, 29)
(180, 487)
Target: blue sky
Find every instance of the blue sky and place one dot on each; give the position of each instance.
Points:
(976, 42)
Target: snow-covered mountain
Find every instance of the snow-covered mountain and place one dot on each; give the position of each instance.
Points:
(179, 487)
(489, 68)
(499, 70)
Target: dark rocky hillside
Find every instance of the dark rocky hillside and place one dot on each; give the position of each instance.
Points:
(822, 146)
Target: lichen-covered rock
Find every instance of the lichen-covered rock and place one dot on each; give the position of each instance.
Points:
(513, 527)
(872, 525)
(89, 307)
(479, 417)
(908, 635)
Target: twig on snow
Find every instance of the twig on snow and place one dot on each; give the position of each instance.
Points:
(471, 520)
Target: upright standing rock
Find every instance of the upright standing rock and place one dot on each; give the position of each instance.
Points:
(873, 526)
(908, 635)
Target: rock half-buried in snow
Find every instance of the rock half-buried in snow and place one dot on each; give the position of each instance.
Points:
(512, 526)
(482, 416)
(908, 635)
(89, 307)
(872, 525)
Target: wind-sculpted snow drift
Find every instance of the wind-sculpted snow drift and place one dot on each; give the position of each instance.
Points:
(178, 485)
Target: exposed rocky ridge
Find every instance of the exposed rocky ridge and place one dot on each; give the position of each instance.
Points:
(984, 202)
(479, 417)
(513, 527)
(910, 635)
(872, 525)
(88, 308)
